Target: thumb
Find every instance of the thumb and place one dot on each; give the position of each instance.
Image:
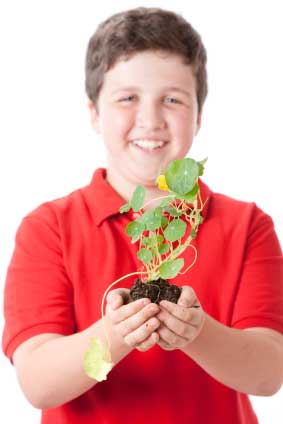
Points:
(188, 297)
(116, 298)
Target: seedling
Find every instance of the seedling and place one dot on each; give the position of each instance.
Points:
(163, 233)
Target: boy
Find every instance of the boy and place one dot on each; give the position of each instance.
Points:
(146, 81)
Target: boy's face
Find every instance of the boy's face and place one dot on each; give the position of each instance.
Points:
(147, 116)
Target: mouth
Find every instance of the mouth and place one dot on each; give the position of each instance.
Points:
(149, 145)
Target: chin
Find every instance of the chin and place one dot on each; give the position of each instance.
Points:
(146, 179)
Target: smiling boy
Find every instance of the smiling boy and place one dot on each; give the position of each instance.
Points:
(146, 82)
(151, 102)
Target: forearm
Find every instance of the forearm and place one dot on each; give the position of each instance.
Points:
(54, 371)
(243, 360)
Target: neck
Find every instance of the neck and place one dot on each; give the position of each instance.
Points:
(125, 188)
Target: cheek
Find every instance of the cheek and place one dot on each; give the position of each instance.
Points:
(120, 122)
(183, 125)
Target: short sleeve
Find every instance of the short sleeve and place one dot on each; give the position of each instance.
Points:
(38, 296)
(259, 300)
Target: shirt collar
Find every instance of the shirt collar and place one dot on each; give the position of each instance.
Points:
(106, 202)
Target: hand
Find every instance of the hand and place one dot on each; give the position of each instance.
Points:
(181, 323)
(135, 322)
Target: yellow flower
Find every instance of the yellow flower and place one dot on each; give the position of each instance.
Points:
(161, 181)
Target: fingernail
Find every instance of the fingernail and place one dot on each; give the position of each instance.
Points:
(154, 322)
(154, 308)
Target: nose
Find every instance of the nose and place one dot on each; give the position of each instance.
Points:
(150, 116)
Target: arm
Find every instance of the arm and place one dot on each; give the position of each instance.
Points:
(50, 366)
(250, 361)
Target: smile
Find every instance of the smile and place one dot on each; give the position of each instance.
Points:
(149, 144)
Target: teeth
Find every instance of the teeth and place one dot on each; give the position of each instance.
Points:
(149, 144)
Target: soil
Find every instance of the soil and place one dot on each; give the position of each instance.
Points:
(156, 291)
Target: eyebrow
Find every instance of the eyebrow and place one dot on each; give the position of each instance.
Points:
(133, 88)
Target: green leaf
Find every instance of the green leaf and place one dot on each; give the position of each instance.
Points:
(158, 212)
(163, 248)
(134, 229)
(190, 196)
(145, 241)
(201, 166)
(171, 268)
(175, 230)
(125, 208)
(166, 201)
(138, 198)
(97, 360)
(164, 221)
(181, 175)
(193, 233)
(198, 218)
(173, 211)
(145, 255)
(151, 219)
(159, 238)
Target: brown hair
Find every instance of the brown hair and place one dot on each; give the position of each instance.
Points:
(137, 30)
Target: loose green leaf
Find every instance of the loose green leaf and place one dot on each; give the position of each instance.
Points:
(134, 229)
(125, 208)
(97, 360)
(171, 268)
(175, 230)
(182, 175)
(163, 248)
(138, 198)
(145, 255)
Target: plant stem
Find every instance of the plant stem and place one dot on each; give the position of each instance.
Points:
(156, 198)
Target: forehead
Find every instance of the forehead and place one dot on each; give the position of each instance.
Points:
(150, 69)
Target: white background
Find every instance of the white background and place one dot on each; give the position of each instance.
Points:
(49, 149)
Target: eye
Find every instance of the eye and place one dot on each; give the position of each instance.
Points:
(170, 99)
(127, 99)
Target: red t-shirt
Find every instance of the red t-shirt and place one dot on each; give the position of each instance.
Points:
(69, 250)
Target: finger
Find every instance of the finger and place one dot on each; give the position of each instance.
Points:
(188, 297)
(115, 302)
(142, 333)
(118, 297)
(189, 316)
(171, 338)
(126, 311)
(177, 326)
(149, 342)
(138, 319)
(164, 345)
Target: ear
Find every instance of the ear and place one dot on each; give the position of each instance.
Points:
(94, 117)
(198, 123)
